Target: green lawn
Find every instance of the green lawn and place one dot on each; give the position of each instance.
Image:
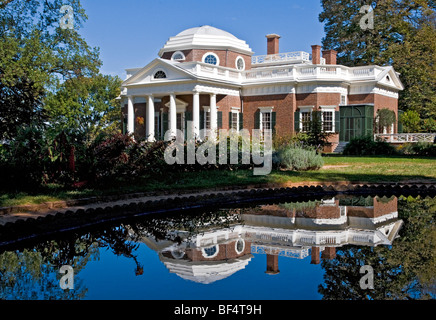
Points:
(336, 168)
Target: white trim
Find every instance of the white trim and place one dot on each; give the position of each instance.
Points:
(304, 109)
(329, 109)
(235, 111)
(236, 246)
(266, 109)
(213, 54)
(178, 52)
(156, 71)
(243, 63)
(205, 255)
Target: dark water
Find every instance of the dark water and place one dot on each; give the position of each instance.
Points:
(278, 251)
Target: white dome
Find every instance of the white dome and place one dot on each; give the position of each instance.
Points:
(205, 37)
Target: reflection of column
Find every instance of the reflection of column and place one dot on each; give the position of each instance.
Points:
(173, 115)
(329, 253)
(213, 115)
(150, 119)
(315, 255)
(130, 116)
(196, 114)
(272, 264)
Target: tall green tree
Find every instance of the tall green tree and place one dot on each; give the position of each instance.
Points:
(86, 105)
(402, 34)
(36, 54)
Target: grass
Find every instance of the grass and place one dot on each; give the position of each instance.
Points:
(336, 168)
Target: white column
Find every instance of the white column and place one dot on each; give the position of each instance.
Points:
(213, 116)
(196, 114)
(130, 116)
(150, 119)
(173, 115)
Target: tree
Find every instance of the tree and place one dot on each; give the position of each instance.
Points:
(403, 35)
(85, 105)
(411, 121)
(36, 53)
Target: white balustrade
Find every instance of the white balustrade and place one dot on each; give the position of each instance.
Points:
(406, 137)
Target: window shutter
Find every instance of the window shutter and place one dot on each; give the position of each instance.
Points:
(257, 120)
(316, 116)
(230, 120)
(165, 123)
(273, 122)
(220, 120)
(241, 121)
(188, 117)
(297, 121)
(202, 120)
(337, 122)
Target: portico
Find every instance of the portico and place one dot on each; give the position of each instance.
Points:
(175, 114)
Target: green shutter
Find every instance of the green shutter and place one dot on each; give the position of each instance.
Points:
(241, 121)
(165, 123)
(188, 117)
(337, 122)
(230, 120)
(273, 122)
(257, 120)
(316, 116)
(220, 120)
(296, 121)
(202, 120)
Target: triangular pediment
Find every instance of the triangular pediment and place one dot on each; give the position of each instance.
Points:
(390, 78)
(158, 71)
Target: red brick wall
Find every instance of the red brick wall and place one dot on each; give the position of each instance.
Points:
(284, 106)
(227, 58)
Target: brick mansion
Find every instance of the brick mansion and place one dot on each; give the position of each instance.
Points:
(212, 79)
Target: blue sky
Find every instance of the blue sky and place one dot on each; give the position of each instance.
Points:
(130, 33)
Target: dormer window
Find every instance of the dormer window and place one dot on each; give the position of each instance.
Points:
(178, 56)
(160, 75)
(211, 58)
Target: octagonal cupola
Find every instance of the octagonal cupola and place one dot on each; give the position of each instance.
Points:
(209, 45)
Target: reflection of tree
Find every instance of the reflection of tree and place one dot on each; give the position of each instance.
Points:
(33, 273)
(402, 271)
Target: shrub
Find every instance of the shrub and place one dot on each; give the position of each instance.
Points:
(420, 149)
(299, 158)
(366, 146)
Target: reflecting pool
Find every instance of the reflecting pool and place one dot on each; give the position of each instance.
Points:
(275, 251)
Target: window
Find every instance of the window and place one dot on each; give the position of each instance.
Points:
(160, 75)
(343, 99)
(265, 120)
(211, 58)
(305, 120)
(328, 118)
(327, 121)
(240, 63)
(211, 251)
(234, 121)
(180, 121)
(178, 56)
(157, 130)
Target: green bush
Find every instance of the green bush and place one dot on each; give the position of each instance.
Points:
(298, 157)
(366, 146)
(420, 149)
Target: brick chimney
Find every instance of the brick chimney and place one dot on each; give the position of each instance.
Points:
(329, 253)
(316, 54)
(330, 56)
(272, 264)
(315, 255)
(272, 43)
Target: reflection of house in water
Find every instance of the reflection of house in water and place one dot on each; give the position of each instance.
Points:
(294, 230)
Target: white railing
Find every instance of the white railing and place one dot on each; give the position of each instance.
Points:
(281, 57)
(406, 137)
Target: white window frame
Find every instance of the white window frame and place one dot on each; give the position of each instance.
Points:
(343, 97)
(305, 109)
(235, 111)
(178, 52)
(213, 54)
(159, 79)
(331, 109)
(264, 110)
(243, 63)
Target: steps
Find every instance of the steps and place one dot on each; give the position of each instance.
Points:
(340, 147)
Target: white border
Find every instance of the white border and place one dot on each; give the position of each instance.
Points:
(215, 55)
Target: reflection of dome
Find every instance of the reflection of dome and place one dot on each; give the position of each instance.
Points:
(205, 37)
(206, 272)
